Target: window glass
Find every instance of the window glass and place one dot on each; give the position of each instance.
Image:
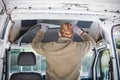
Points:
(98, 68)
(103, 66)
(86, 63)
(13, 60)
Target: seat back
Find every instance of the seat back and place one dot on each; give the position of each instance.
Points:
(26, 59)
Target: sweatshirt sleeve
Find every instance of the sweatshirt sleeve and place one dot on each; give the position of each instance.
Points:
(87, 44)
(37, 45)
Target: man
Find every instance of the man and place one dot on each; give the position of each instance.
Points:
(63, 57)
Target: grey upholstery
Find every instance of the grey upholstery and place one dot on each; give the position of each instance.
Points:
(26, 76)
(26, 59)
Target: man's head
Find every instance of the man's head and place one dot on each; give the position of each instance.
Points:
(66, 30)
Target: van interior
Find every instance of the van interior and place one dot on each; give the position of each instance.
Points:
(23, 32)
(101, 21)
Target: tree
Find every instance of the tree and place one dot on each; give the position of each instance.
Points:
(118, 44)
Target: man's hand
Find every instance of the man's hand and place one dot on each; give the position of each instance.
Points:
(44, 27)
(77, 30)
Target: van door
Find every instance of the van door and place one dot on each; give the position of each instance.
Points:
(103, 64)
(103, 68)
(116, 39)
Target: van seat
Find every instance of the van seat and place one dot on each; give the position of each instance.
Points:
(26, 59)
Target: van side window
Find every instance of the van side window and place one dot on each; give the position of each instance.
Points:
(103, 66)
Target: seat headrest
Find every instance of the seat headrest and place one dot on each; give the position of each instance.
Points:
(26, 59)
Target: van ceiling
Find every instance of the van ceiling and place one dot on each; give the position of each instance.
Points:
(37, 9)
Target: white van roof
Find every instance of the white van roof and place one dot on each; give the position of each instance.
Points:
(86, 7)
(69, 1)
(100, 3)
